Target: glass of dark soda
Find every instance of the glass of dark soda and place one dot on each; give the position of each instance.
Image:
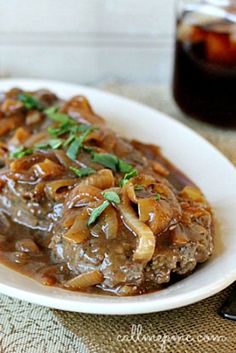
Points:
(204, 83)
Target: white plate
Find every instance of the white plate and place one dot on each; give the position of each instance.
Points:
(193, 155)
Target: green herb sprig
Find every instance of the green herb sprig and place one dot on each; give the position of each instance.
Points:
(111, 197)
(124, 167)
(30, 102)
(157, 197)
(68, 125)
(97, 212)
(53, 143)
(106, 159)
(128, 176)
(81, 172)
(62, 118)
(111, 161)
(21, 152)
(77, 143)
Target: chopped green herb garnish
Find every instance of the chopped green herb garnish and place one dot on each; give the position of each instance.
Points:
(74, 149)
(42, 146)
(106, 159)
(112, 161)
(75, 130)
(124, 167)
(157, 197)
(111, 196)
(69, 140)
(128, 176)
(62, 118)
(30, 102)
(51, 110)
(78, 143)
(97, 212)
(55, 143)
(54, 131)
(21, 152)
(84, 127)
(138, 187)
(81, 172)
(57, 131)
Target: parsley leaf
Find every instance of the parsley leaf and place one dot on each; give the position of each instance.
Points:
(51, 110)
(157, 197)
(112, 161)
(124, 167)
(84, 127)
(76, 129)
(55, 143)
(111, 196)
(21, 152)
(78, 143)
(96, 212)
(74, 148)
(57, 131)
(128, 176)
(30, 102)
(69, 140)
(106, 159)
(62, 118)
(42, 146)
(81, 172)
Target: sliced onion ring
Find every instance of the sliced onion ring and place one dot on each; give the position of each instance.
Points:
(147, 241)
(85, 280)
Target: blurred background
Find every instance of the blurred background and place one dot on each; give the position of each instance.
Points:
(88, 41)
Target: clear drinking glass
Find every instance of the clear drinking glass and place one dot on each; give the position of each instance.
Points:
(204, 84)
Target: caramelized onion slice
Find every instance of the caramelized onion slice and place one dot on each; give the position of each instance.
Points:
(79, 231)
(96, 135)
(83, 194)
(63, 159)
(10, 123)
(159, 213)
(103, 179)
(33, 117)
(3, 152)
(9, 105)
(27, 245)
(146, 244)
(131, 192)
(146, 209)
(192, 193)
(80, 109)
(85, 280)
(58, 189)
(40, 137)
(109, 141)
(39, 190)
(25, 163)
(47, 168)
(109, 222)
(159, 168)
(69, 217)
(20, 136)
